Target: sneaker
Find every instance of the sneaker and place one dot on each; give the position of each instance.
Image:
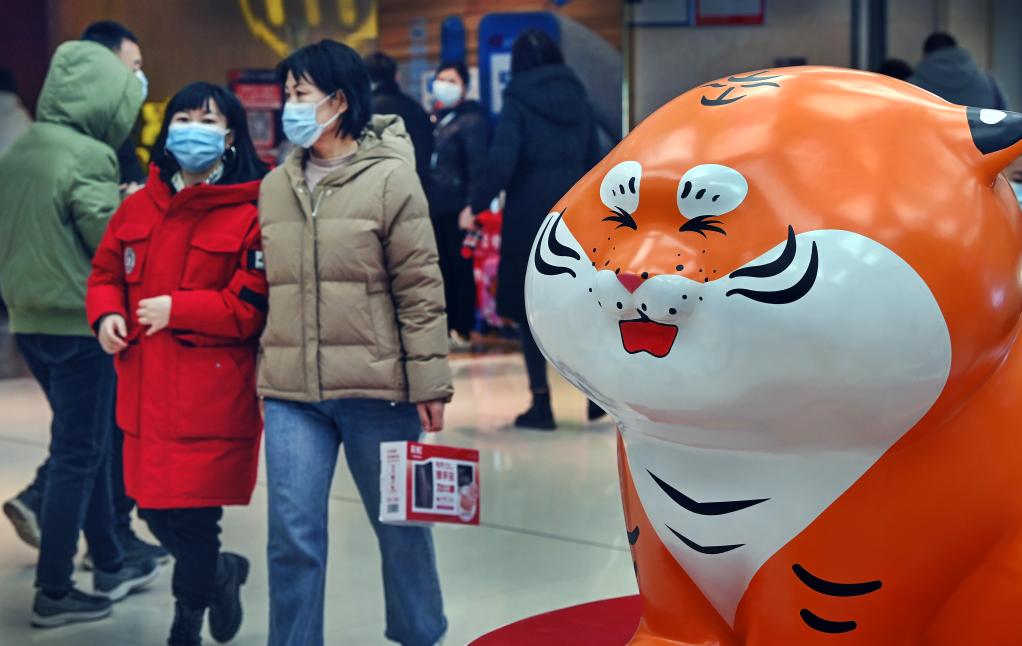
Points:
(23, 512)
(187, 627)
(135, 549)
(540, 416)
(225, 612)
(75, 606)
(132, 577)
(458, 343)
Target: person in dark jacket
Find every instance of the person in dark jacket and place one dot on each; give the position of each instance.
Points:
(389, 99)
(459, 158)
(545, 140)
(949, 71)
(896, 68)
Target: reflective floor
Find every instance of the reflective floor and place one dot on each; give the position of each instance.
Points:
(552, 533)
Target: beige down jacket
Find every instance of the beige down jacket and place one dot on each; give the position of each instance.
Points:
(355, 294)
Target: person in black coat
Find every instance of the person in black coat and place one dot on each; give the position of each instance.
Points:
(461, 136)
(545, 141)
(389, 99)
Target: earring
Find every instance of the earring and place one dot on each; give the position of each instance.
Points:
(229, 154)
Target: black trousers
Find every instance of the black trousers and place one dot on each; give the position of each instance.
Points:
(459, 279)
(79, 382)
(535, 362)
(123, 505)
(193, 537)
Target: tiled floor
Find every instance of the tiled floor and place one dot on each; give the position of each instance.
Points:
(552, 532)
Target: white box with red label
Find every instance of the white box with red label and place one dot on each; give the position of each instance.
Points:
(427, 483)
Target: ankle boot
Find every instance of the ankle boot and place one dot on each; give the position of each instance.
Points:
(225, 612)
(187, 627)
(594, 412)
(540, 415)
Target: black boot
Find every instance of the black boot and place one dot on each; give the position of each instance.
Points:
(540, 416)
(187, 627)
(594, 412)
(225, 611)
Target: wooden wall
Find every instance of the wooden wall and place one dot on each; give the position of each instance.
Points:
(189, 40)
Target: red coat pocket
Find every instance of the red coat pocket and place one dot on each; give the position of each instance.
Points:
(212, 260)
(216, 386)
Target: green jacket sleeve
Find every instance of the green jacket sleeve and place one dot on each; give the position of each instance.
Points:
(95, 195)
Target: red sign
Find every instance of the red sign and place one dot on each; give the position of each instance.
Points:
(730, 12)
(259, 96)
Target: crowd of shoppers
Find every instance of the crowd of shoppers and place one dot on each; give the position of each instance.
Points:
(317, 300)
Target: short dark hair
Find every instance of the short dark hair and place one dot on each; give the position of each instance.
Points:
(896, 68)
(458, 67)
(380, 67)
(244, 165)
(7, 83)
(534, 48)
(334, 67)
(938, 40)
(109, 34)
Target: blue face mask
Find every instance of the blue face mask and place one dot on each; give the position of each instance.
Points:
(300, 125)
(1017, 187)
(196, 146)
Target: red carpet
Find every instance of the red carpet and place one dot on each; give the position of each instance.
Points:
(611, 622)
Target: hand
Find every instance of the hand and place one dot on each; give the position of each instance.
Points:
(467, 221)
(154, 312)
(112, 331)
(431, 415)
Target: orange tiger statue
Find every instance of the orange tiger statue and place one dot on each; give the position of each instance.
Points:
(797, 291)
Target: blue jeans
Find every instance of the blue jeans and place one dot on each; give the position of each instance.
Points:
(78, 380)
(302, 442)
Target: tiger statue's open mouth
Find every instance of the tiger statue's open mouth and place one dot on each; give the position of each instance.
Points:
(645, 335)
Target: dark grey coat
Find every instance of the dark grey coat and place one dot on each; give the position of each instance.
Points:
(544, 142)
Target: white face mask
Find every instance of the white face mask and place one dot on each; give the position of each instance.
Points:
(140, 75)
(446, 93)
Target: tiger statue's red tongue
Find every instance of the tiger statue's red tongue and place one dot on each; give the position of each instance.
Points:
(648, 336)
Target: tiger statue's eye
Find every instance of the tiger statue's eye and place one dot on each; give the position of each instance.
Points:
(710, 189)
(620, 187)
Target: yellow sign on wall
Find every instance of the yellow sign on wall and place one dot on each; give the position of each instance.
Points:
(284, 26)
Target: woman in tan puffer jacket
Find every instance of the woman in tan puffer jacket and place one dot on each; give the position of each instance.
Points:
(355, 346)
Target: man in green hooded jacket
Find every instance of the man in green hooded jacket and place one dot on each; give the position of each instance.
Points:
(58, 188)
(25, 509)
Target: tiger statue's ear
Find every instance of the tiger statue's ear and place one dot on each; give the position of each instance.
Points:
(997, 135)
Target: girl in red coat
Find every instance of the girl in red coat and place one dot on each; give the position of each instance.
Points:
(178, 294)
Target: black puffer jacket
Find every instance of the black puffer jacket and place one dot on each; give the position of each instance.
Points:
(460, 138)
(544, 142)
(389, 99)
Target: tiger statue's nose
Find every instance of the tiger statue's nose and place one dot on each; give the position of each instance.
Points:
(631, 282)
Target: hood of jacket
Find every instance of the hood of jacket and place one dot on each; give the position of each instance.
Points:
(384, 137)
(202, 197)
(90, 90)
(554, 92)
(950, 69)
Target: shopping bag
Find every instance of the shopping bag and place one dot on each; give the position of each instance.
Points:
(421, 484)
